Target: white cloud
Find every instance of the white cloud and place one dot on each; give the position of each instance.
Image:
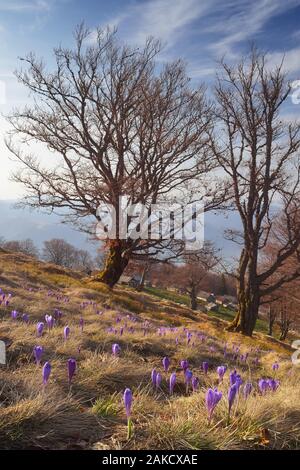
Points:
(21, 7)
(244, 19)
(291, 59)
(163, 19)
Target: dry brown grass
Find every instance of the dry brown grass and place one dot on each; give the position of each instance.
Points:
(90, 414)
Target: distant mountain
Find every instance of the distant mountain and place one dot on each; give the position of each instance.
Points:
(17, 224)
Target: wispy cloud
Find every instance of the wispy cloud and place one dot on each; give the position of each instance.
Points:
(242, 19)
(21, 7)
(163, 19)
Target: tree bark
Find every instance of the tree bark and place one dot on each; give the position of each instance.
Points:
(193, 298)
(248, 301)
(115, 264)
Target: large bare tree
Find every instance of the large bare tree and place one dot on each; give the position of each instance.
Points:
(259, 152)
(117, 125)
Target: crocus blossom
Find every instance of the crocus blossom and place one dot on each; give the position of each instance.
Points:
(263, 385)
(172, 382)
(46, 372)
(127, 398)
(205, 367)
(273, 384)
(153, 377)
(158, 380)
(116, 349)
(221, 371)
(195, 383)
(39, 328)
(37, 352)
(71, 368)
(247, 389)
(188, 376)
(212, 398)
(184, 365)
(50, 321)
(66, 332)
(166, 363)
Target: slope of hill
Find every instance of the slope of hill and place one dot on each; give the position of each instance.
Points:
(89, 412)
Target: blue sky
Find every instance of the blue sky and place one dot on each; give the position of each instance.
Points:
(199, 31)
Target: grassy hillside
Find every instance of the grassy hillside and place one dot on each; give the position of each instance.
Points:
(89, 413)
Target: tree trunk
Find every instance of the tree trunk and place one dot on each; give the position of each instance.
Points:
(272, 318)
(245, 319)
(193, 299)
(115, 264)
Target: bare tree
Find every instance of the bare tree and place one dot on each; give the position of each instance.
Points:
(196, 266)
(26, 247)
(288, 313)
(83, 261)
(117, 126)
(259, 152)
(59, 252)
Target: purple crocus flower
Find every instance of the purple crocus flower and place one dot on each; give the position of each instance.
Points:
(184, 365)
(14, 314)
(275, 366)
(212, 398)
(127, 397)
(172, 382)
(39, 328)
(247, 389)
(81, 323)
(205, 367)
(221, 371)
(166, 363)
(46, 372)
(50, 321)
(116, 349)
(153, 377)
(232, 377)
(66, 332)
(195, 383)
(158, 380)
(25, 318)
(71, 368)
(263, 385)
(37, 352)
(273, 384)
(188, 376)
(235, 378)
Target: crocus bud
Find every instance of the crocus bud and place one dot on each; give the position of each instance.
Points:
(116, 349)
(71, 368)
(158, 379)
(46, 372)
(153, 377)
(37, 352)
(172, 382)
(184, 365)
(39, 328)
(127, 397)
(66, 332)
(166, 363)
